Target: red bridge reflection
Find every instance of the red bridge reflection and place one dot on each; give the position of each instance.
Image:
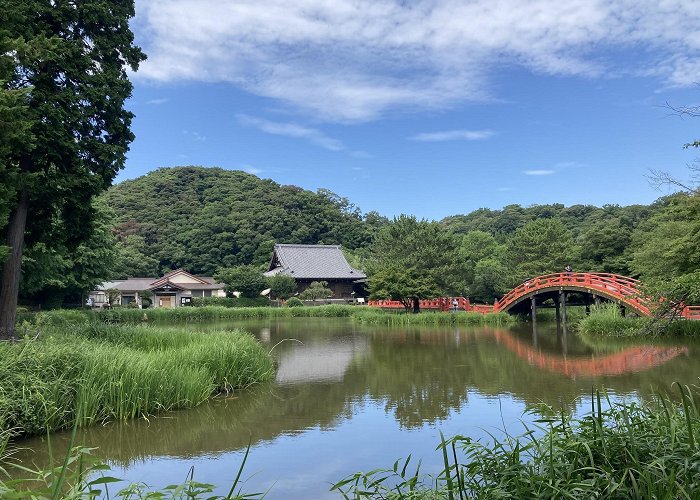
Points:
(631, 360)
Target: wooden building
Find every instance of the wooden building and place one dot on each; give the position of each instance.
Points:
(308, 263)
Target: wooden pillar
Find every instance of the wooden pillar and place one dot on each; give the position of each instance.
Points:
(562, 300)
(588, 305)
(622, 309)
(533, 308)
(596, 300)
(556, 305)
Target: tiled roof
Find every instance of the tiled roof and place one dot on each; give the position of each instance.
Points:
(312, 262)
(141, 284)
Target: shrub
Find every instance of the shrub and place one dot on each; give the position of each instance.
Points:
(294, 302)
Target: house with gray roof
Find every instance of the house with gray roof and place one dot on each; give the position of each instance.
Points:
(174, 289)
(308, 263)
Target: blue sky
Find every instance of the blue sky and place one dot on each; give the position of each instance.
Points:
(430, 107)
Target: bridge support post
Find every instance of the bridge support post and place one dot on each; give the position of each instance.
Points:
(596, 300)
(622, 309)
(533, 308)
(562, 301)
(556, 305)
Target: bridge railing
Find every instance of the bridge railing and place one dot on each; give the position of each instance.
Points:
(691, 312)
(622, 287)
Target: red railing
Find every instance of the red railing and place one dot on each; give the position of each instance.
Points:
(609, 285)
(691, 312)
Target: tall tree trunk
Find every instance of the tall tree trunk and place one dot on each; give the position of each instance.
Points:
(9, 283)
(416, 305)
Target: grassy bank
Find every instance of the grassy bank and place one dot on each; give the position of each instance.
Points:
(91, 372)
(372, 316)
(606, 321)
(628, 451)
(368, 315)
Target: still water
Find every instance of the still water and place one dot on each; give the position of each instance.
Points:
(349, 397)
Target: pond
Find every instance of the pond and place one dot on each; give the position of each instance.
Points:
(349, 397)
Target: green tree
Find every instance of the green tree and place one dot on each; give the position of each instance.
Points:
(56, 273)
(491, 280)
(666, 246)
(316, 290)
(425, 250)
(282, 286)
(133, 259)
(407, 285)
(248, 280)
(539, 247)
(65, 63)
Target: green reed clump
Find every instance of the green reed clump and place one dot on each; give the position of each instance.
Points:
(629, 450)
(219, 313)
(373, 316)
(606, 319)
(100, 372)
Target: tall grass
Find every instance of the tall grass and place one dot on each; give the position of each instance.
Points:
(629, 450)
(369, 315)
(606, 320)
(101, 372)
(379, 317)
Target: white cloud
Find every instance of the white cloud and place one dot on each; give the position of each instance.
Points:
(252, 170)
(539, 172)
(157, 101)
(504, 189)
(195, 135)
(454, 135)
(292, 130)
(354, 60)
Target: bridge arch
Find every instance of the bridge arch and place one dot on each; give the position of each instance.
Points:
(613, 287)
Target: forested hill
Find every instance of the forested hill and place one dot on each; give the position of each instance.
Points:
(205, 218)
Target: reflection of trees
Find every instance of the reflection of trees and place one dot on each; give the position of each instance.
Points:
(421, 375)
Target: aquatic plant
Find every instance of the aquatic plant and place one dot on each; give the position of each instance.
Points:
(97, 372)
(629, 450)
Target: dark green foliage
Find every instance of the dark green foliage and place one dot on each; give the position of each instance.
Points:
(202, 219)
(294, 302)
(281, 286)
(420, 256)
(63, 85)
(316, 290)
(539, 247)
(666, 245)
(54, 273)
(247, 280)
(230, 301)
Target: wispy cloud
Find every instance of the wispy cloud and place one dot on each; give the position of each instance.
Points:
(453, 135)
(539, 172)
(157, 101)
(354, 60)
(252, 170)
(193, 134)
(504, 189)
(295, 130)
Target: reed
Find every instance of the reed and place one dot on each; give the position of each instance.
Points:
(606, 320)
(629, 450)
(379, 317)
(101, 372)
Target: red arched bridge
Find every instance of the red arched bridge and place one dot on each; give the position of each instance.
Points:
(614, 287)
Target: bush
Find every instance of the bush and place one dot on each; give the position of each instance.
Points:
(294, 302)
(230, 301)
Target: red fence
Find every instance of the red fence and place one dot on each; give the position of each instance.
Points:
(611, 286)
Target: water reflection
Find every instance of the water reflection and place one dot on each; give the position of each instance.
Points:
(350, 387)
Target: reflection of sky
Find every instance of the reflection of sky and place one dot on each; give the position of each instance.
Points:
(303, 466)
(318, 362)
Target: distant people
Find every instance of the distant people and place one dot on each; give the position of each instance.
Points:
(568, 269)
(454, 305)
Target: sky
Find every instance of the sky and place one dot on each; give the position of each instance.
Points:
(425, 107)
